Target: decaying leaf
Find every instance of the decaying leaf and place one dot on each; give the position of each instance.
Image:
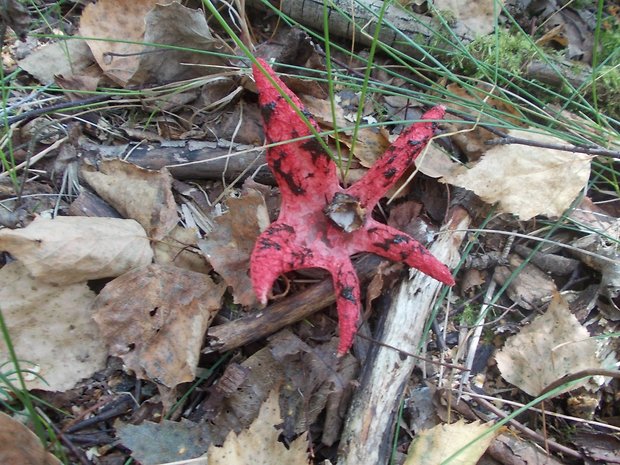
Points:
(307, 376)
(51, 328)
(527, 181)
(259, 444)
(64, 58)
(552, 346)
(74, 249)
(168, 441)
(21, 446)
(136, 193)
(370, 142)
(434, 446)
(108, 20)
(229, 245)
(155, 318)
(180, 248)
(147, 21)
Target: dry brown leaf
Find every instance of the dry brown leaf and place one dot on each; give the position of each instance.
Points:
(180, 248)
(434, 446)
(136, 193)
(20, 446)
(229, 245)
(552, 346)
(74, 249)
(527, 181)
(152, 22)
(259, 445)
(371, 142)
(60, 58)
(155, 318)
(116, 19)
(177, 25)
(51, 328)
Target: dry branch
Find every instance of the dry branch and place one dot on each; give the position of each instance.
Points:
(208, 159)
(364, 13)
(280, 314)
(369, 426)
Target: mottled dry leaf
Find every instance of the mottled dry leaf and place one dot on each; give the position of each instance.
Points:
(74, 249)
(110, 21)
(259, 444)
(51, 328)
(527, 181)
(473, 18)
(371, 142)
(136, 193)
(552, 346)
(63, 58)
(155, 318)
(179, 26)
(20, 446)
(15, 15)
(149, 21)
(169, 441)
(433, 446)
(229, 245)
(179, 248)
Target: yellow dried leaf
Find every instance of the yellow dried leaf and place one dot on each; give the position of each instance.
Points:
(259, 445)
(553, 346)
(527, 181)
(436, 445)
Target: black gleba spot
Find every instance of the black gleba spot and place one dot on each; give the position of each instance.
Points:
(267, 111)
(347, 293)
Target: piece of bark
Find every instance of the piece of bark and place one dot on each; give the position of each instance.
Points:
(548, 262)
(89, 204)
(367, 436)
(209, 159)
(365, 13)
(259, 324)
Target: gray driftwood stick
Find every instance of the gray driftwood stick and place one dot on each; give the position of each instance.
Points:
(368, 431)
(209, 159)
(310, 14)
(262, 323)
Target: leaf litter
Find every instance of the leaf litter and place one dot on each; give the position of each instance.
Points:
(154, 316)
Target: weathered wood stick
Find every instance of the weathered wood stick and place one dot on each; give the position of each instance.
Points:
(208, 159)
(285, 312)
(364, 13)
(366, 439)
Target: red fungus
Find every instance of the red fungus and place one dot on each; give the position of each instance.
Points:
(322, 224)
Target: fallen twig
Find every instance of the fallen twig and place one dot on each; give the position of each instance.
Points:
(282, 313)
